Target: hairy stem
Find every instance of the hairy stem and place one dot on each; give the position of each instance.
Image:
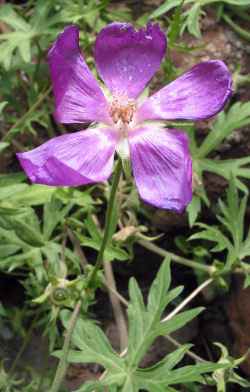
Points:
(177, 259)
(108, 221)
(239, 30)
(62, 366)
(116, 305)
(24, 345)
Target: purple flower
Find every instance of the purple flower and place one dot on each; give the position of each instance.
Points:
(121, 122)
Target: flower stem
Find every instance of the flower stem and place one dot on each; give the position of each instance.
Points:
(62, 366)
(239, 30)
(108, 221)
(177, 259)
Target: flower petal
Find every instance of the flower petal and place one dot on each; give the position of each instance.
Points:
(162, 167)
(73, 159)
(77, 94)
(198, 94)
(127, 59)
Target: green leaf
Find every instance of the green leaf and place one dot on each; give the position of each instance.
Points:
(246, 281)
(164, 8)
(93, 345)
(9, 16)
(193, 210)
(236, 117)
(214, 234)
(168, 363)
(144, 322)
(20, 40)
(177, 322)
(230, 235)
(123, 372)
(53, 214)
(193, 17)
(11, 179)
(2, 106)
(27, 233)
(112, 252)
(91, 386)
(237, 2)
(151, 381)
(8, 250)
(7, 192)
(159, 288)
(33, 195)
(227, 168)
(93, 229)
(4, 145)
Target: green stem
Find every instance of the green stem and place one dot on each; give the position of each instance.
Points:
(31, 110)
(178, 259)
(38, 61)
(108, 221)
(24, 345)
(239, 30)
(62, 366)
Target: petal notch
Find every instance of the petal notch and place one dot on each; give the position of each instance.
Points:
(127, 59)
(78, 96)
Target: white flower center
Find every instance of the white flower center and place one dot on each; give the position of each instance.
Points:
(122, 112)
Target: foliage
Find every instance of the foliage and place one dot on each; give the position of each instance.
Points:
(145, 325)
(194, 11)
(229, 235)
(49, 235)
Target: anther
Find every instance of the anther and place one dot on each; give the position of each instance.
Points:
(123, 112)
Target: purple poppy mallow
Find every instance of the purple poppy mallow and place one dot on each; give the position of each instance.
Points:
(122, 121)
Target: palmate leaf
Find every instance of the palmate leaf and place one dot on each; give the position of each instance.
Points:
(237, 169)
(193, 13)
(192, 22)
(236, 117)
(229, 168)
(19, 39)
(93, 346)
(112, 251)
(214, 234)
(162, 379)
(229, 235)
(53, 213)
(23, 33)
(145, 325)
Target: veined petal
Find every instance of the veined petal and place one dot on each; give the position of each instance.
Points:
(127, 59)
(78, 96)
(73, 159)
(198, 94)
(162, 167)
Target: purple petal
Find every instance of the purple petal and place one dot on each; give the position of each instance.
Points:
(74, 159)
(162, 167)
(127, 59)
(77, 94)
(198, 94)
